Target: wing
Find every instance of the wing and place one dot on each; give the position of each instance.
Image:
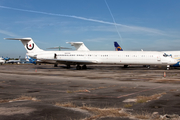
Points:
(70, 62)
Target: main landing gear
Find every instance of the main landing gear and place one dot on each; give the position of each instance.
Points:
(55, 65)
(78, 67)
(68, 66)
(125, 66)
(148, 66)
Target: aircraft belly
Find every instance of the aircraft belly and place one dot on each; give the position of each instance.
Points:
(140, 61)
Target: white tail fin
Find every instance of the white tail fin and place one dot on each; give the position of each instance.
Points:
(79, 46)
(28, 43)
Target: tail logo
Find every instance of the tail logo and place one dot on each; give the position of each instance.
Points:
(118, 48)
(30, 46)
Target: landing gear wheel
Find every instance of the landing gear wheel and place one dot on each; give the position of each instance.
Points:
(68, 66)
(125, 66)
(168, 66)
(148, 66)
(84, 67)
(55, 65)
(78, 67)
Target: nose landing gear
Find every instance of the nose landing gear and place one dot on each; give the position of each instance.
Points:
(168, 66)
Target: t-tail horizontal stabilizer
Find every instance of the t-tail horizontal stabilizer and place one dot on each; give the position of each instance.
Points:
(28, 43)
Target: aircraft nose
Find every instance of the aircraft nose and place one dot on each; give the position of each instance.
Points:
(174, 61)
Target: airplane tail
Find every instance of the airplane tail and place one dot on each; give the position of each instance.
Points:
(28, 43)
(79, 46)
(117, 47)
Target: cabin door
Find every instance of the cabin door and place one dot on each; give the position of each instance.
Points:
(158, 58)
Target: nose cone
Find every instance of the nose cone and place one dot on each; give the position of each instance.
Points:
(173, 61)
(170, 61)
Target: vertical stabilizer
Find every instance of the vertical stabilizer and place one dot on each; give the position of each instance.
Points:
(117, 47)
(28, 43)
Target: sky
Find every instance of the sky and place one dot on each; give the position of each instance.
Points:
(151, 25)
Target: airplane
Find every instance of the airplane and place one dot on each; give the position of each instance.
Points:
(172, 54)
(2, 61)
(6, 58)
(84, 58)
(14, 61)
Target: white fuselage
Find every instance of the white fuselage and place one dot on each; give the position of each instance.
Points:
(106, 57)
(173, 54)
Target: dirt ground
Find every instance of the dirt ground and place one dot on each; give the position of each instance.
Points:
(42, 92)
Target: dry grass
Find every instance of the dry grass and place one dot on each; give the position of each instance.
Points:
(68, 104)
(97, 112)
(104, 112)
(21, 98)
(4, 101)
(173, 90)
(143, 115)
(107, 112)
(143, 99)
(167, 81)
(128, 105)
(68, 91)
(102, 87)
(77, 91)
(89, 90)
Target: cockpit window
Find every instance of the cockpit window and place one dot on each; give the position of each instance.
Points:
(165, 55)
